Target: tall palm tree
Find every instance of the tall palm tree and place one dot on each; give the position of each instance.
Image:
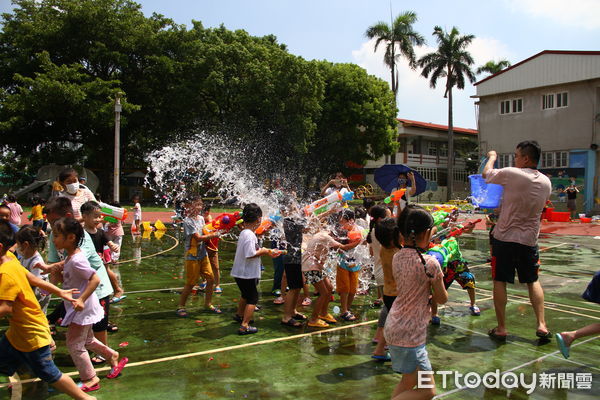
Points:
(452, 61)
(400, 39)
(493, 67)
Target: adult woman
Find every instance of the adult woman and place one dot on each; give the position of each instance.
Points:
(403, 180)
(69, 179)
(571, 192)
(337, 183)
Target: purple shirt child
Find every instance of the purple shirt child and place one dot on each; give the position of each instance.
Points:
(77, 273)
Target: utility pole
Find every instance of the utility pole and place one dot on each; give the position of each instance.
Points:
(117, 170)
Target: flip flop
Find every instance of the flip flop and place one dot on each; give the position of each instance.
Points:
(214, 309)
(181, 312)
(348, 316)
(542, 335)
(291, 322)
(117, 299)
(319, 324)
(328, 318)
(300, 317)
(97, 360)
(384, 358)
(492, 333)
(564, 349)
(116, 371)
(87, 389)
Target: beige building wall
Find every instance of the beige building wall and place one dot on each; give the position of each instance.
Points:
(567, 128)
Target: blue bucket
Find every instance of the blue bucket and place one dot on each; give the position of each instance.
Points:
(485, 195)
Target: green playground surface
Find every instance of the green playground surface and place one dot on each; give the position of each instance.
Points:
(202, 357)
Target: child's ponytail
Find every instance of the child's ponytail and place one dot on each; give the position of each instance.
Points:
(376, 212)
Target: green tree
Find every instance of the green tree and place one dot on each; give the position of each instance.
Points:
(492, 67)
(358, 122)
(399, 39)
(452, 61)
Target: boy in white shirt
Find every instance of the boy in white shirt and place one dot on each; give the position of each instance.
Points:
(246, 267)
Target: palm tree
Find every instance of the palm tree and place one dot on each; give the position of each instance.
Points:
(400, 39)
(452, 61)
(493, 67)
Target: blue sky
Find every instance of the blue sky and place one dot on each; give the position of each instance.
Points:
(334, 30)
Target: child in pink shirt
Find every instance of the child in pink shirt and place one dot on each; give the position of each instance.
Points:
(15, 210)
(405, 331)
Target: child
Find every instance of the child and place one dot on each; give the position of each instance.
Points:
(27, 340)
(15, 210)
(246, 268)
(196, 258)
(115, 233)
(137, 215)
(90, 212)
(212, 248)
(293, 228)
(406, 326)
(36, 213)
(29, 240)
(346, 279)
(377, 213)
(85, 311)
(5, 216)
(313, 262)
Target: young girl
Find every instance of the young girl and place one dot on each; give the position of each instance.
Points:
(29, 240)
(85, 310)
(386, 233)
(137, 215)
(405, 330)
(377, 213)
(36, 213)
(346, 278)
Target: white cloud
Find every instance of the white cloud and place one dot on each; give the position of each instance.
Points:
(416, 100)
(579, 13)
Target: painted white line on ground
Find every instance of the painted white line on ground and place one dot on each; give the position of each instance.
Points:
(152, 255)
(453, 391)
(221, 349)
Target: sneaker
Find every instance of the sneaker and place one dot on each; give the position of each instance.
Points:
(475, 311)
(436, 321)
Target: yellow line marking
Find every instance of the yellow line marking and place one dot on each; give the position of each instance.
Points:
(220, 350)
(153, 255)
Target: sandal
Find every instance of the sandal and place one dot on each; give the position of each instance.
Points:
(319, 324)
(492, 333)
(112, 328)
(247, 331)
(300, 317)
(564, 349)
(306, 302)
(475, 311)
(181, 312)
(291, 322)
(543, 335)
(97, 360)
(239, 319)
(279, 300)
(214, 309)
(116, 371)
(348, 316)
(117, 299)
(87, 389)
(328, 318)
(218, 290)
(384, 358)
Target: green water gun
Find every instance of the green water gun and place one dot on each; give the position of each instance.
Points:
(445, 252)
(439, 217)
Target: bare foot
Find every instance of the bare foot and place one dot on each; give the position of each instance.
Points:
(91, 382)
(119, 292)
(114, 361)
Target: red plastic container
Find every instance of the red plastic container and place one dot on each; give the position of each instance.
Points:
(548, 213)
(585, 220)
(561, 216)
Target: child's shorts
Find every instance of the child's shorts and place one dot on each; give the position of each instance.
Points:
(195, 268)
(293, 274)
(248, 289)
(346, 281)
(313, 277)
(459, 271)
(39, 361)
(592, 292)
(405, 360)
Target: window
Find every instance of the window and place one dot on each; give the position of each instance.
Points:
(432, 149)
(555, 159)
(511, 106)
(460, 175)
(505, 160)
(562, 99)
(547, 101)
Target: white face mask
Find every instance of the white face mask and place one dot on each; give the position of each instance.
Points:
(72, 188)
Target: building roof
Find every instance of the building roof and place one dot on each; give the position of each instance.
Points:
(437, 127)
(546, 68)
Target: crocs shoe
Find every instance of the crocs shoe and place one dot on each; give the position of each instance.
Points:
(475, 311)
(436, 321)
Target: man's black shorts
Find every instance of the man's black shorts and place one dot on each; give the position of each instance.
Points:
(508, 256)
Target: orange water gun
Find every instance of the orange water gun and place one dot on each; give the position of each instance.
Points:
(395, 196)
(266, 224)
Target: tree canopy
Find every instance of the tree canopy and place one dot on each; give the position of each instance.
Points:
(62, 62)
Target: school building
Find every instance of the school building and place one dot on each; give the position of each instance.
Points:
(552, 97)
(423, 146)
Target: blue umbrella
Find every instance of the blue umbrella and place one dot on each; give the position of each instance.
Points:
(387, 177)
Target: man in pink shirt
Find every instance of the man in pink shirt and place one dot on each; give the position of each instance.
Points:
(514, 239)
